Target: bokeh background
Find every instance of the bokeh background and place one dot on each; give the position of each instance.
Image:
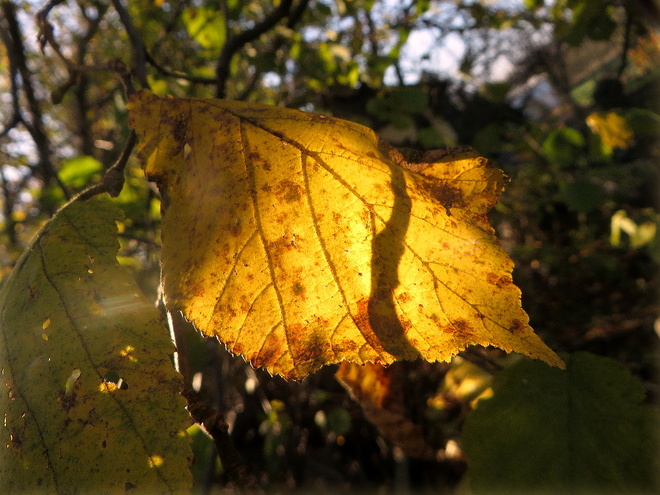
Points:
(562, 95)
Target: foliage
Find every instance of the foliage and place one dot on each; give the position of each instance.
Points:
(573, 124)
(549, 431)
(301, 240)
(88, 399)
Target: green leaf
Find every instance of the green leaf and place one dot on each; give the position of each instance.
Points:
(563, 146)
(430, 138)
(590, 19)
(89, 393)
(545, 430)
(206, 26)
(533, 4)
(399, 105)
(80, 171)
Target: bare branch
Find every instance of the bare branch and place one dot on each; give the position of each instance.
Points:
(215, 425)
(235, 43)
(35, 126)
(139, 59)
(113, 180)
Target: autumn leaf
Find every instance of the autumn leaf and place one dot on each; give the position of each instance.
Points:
(613, 129)
(89, 394)
(301, 240)
(379, 391)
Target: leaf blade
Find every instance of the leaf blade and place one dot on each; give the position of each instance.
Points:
(318, 245)
(71, 319)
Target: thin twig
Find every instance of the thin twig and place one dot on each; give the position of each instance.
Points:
(113, 180)
(15, 117)
(235, 43)
(8, 210)
(215, 425)
(137, 46)
(252, 79)
(178, 75)
(36, 126)
(626, 45)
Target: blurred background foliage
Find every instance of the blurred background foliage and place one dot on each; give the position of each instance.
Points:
(563, 95)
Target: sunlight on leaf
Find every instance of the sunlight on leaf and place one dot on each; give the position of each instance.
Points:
(301, 240)
(379, 392)
(639, 235)
(88, 392)
(206, 26)
(464, 381)
(612, 128)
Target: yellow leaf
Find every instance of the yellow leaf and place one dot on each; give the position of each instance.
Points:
(88, 392)
(612, 128)
(301, 240)
(379, 391)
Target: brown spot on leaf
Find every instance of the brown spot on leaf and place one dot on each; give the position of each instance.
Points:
(68, 401)
(235, 229)
(459, 327)
(267, 357)
(289, 191)
(310, 353)
(517, 327)
(404, 297)
(224, 251)
(362, 322)
(179, 130)
(299, 289)
(447, 195)
(499, 281)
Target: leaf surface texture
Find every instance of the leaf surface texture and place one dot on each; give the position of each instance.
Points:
(583, 430)
(301, 240)
(90, 398)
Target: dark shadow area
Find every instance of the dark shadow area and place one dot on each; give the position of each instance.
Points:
(386, 252)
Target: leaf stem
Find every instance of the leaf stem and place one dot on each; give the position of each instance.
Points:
(113, 180)
(214, 424)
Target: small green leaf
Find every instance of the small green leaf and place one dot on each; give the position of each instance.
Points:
(545, 430)
(206, 26)
(80, 171)
(563, 146)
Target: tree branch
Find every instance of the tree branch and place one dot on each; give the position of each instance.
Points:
(235, 43)
(8, 210)
(137, 46)
(113, 180)
(15, 117)
(178, 75)
(215, 425)
(36, 126)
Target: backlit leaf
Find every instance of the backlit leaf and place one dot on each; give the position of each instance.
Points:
(88, 392)
(379, 392)
(301, 240)
(612, 128)
(206, 26)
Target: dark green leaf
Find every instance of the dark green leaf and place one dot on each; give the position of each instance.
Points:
(545, 430)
